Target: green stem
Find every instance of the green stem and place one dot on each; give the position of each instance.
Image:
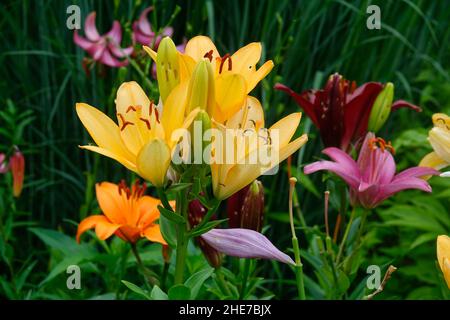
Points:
(162, 196)
(164, 275)
(221, 281)
(245, 278)
(298, 269)
(181, 254)
(344, 238)
(147, 276)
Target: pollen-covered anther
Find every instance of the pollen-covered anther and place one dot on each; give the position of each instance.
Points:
(131, 108)
(124, 122)
(209, 55)
(124, 188)
(222, 62)
(375, 143)
(147, 123)
(157, 115)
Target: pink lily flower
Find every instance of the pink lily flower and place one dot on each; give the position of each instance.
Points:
(372, 177)
(143, 33)
(103, 48)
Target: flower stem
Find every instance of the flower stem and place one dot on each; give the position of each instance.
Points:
(344, 238)
(221, 281)
(245, 278)
(145, 272)
(295, 246)
(181, 254)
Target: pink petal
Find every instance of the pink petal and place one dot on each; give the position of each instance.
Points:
(394, 187)
(343, 159)
(144, 24)
(244, 243)
(366, 196)
(82, 42)
(97, 50)
(90, 29)
(341, 171)
(405, 104)
(416, 172)
(115, 34)
(120, 52)
(109, 60)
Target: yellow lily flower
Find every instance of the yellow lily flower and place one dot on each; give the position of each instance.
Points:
(250, 139)
(142, 139)
(443, 256)
(234, 75)
(439, 138)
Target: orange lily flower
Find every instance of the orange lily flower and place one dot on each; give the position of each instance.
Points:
(127, 213)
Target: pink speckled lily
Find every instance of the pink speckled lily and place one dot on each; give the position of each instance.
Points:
(372, 177)
(103, 48)
(144, 34)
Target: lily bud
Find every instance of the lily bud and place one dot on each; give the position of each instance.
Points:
(166, 253)
(17, 163)
(167, 67)
(3, 163)
(381, 108)
(196, 213)
(201, 92)
(246, 207)
(201, 124)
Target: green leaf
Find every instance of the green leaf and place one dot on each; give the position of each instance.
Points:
(196, 281)
(158, 294)
(205, 228)
(137, 289)
(179, 292)
(172, 216)
(179, 187)
(168, 231)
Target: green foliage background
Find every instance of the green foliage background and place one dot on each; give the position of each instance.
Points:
(308, 40)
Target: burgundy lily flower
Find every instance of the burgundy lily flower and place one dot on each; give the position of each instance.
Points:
(244, 243)
(143, 33)
(372, 177)
(341, 110)
(103, 48)
(3, 164)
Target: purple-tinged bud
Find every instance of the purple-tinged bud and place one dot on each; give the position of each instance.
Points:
(3, 164)
(244, 243)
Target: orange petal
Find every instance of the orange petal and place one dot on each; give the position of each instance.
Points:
(111, 202)
(153, 233)
(148, 210)
(103, 227)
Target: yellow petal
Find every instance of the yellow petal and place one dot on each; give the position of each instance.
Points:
(432, 160)
(125, 162)
(441, 120)
(103, 131)
(442, 249)
(150, 52)
(230, 96)
(201, 87)
(135, 134)
(103, 227)
(446, 271)
(153, 161)
(198, 46)
(174, 109)
(286, 128)
(251, 116)
(244, 63)
(440, 141)
(187, 65)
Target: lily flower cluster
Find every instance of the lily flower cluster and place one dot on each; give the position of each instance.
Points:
(197, 86)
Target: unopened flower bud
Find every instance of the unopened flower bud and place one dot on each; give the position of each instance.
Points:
(201, 92)
(196, 214)
(17, 163)
(167, 67)
(246, 207)
(381, 108)
(166, 252)
(201, 124)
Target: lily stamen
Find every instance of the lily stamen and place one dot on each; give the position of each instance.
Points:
(147, 123)
(131, 108)
(209, 55)
(124, 122)
(222, 62)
